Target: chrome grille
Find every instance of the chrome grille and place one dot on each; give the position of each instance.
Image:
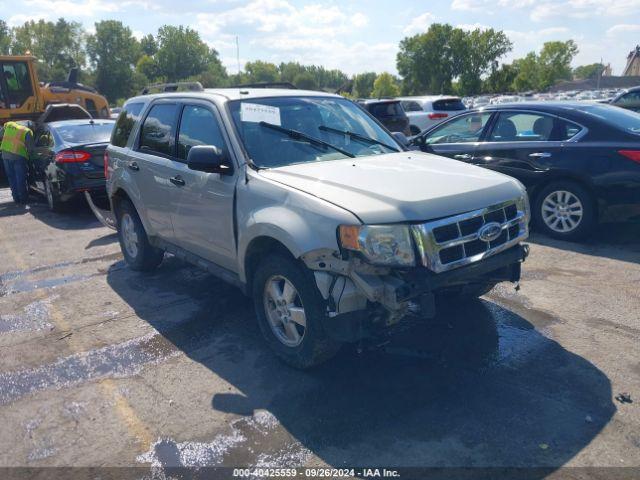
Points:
(456, 241)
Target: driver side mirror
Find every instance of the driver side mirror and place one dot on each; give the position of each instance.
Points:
(401, 138)
(210, 159)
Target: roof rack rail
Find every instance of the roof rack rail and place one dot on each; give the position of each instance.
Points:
(173, 87)
(288, 85)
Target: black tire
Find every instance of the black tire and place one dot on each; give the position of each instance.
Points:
(414, 130)
(585, 224)
(53, 198)
(146, 257)
(315, 347)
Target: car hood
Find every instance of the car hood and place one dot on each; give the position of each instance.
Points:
(403, 186)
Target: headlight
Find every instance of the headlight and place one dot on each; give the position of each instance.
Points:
(380, 244)
(523, 205)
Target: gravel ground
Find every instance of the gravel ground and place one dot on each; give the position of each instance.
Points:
(102, 366)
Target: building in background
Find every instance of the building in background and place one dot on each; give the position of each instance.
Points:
(633, 63)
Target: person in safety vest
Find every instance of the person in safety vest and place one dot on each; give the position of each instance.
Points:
(17, 143)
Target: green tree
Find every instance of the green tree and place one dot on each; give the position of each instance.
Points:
(305, 81)
(501, 78)
(555, 62)
(148, 45)
(363, 84)
(58, 46)
(260, 71)
(148, 67)
(480, 49)
(182, 53)
(5, 38)
(528, 76)
(113, 51)
(588, 71)
(385, 86)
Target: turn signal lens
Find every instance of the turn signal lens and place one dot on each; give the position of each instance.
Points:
(72, 156)
(631, 154)
(349, 236)
(105, 160)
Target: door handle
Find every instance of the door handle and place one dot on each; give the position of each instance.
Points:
(177, 180)
(134, 166)
(540, 155)
(463, 156)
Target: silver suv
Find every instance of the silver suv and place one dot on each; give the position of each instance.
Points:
(310, 206)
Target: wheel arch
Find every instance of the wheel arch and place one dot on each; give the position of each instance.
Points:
(256, 249)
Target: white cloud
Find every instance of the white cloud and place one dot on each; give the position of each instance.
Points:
(419, 24)
(623, 28)
(73, 8)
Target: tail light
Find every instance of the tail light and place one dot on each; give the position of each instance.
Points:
(438, 116)
(631, 154)
(72, 156)
(105, 159)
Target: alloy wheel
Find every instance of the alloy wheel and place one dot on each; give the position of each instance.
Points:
(562, 211)
(129, 235)
(284, 310)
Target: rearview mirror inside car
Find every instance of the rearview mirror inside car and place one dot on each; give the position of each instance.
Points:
(210, 159)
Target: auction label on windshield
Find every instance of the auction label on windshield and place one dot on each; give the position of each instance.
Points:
(254, 112)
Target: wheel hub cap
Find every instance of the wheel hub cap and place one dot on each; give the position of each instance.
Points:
(562, 211)
(129, 235)
(284, 310)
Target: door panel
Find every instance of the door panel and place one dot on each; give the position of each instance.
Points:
(202, 215)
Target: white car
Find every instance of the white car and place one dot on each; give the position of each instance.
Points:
(425, 112)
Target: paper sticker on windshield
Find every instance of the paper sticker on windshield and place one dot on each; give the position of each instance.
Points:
(254, 112)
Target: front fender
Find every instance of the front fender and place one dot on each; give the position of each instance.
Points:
(298, 233)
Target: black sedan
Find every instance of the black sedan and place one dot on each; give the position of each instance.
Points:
(629, 99)
(68, 159)
(578, 160)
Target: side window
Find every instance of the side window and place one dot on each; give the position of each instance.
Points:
(199, 126)
(522, 127)
(462, 129)
(157, 129)
(126, 120)
(411, 106)
(565, 130)
(16, 78)
(630, 100)
(91, 107)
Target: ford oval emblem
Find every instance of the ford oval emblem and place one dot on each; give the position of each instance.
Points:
(490, 231)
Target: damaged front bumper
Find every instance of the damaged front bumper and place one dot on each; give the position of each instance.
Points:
(385, 296)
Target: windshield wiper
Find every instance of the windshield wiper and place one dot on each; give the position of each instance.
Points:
(316, 142)
(357, 136)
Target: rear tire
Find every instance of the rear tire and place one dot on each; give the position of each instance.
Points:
(53, 199)
(565, 210)
(139, 254)
(291, 312)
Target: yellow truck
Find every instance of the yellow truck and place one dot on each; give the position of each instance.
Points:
(23, 97)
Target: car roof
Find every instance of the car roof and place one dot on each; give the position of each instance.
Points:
(94, 121)
(539, 105)
(237, 94)
(372, 101)
(430, 98)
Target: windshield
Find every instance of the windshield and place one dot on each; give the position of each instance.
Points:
(327, 119)
(617, 117)
(85, 133)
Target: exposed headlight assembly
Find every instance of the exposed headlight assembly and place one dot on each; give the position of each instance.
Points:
(380, 244)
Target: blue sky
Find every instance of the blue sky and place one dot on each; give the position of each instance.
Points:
(358, 35)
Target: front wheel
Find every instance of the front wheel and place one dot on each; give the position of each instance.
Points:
(565, 210)
(290, 312)
(138, 252)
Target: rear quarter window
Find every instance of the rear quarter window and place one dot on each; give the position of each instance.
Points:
(124, 125)
(449, 105)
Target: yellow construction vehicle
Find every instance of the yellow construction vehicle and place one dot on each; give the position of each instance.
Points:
(23, 97)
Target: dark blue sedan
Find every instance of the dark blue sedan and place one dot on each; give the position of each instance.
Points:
(68, 159)
(579, 161)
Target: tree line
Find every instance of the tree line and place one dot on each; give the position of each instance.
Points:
(443, 59)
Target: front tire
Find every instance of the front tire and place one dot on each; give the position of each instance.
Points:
(565, 210)
(139, 254)
(291, 312)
